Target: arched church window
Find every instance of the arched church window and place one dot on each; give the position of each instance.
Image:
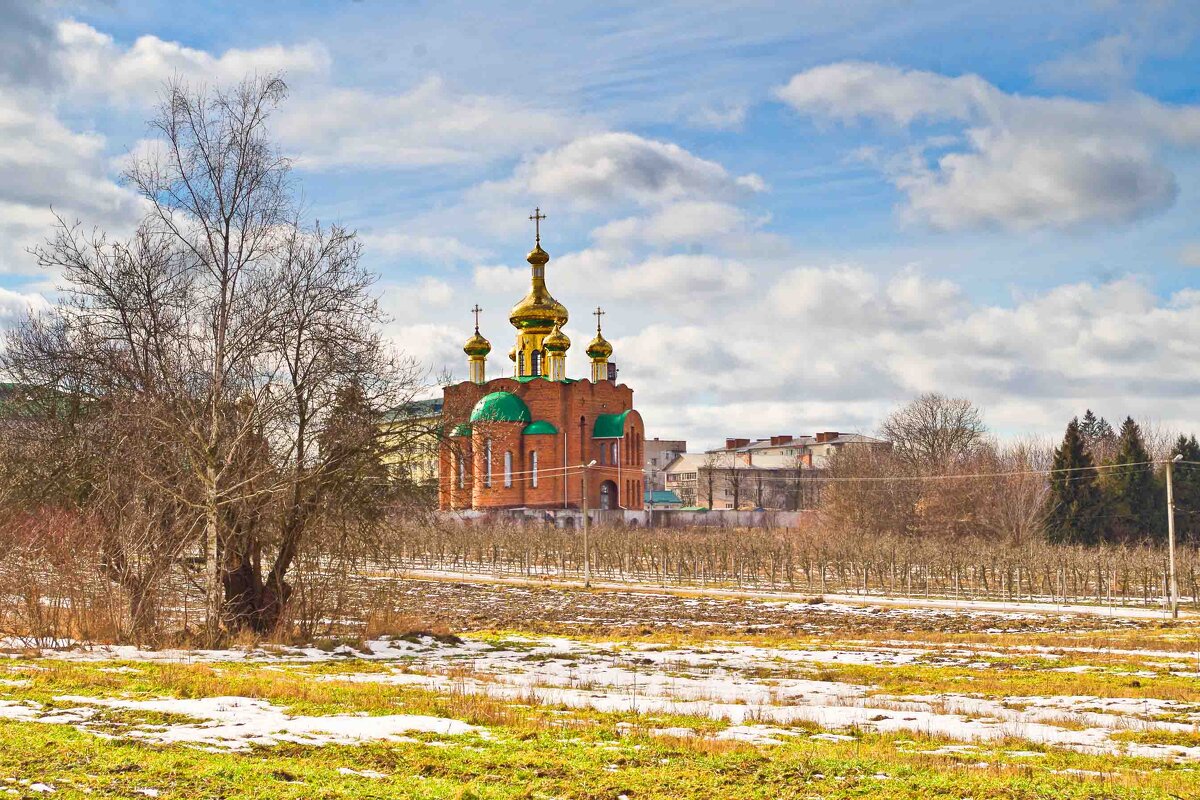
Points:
(613, 452)
(508, 469)
(462, 472)
(533, 467)
(487, 464)
(535, 365)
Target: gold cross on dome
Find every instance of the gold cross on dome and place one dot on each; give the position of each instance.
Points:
(476, 311)
(537, 216)
(598, 313)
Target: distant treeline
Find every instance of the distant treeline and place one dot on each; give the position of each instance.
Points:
(946, 477)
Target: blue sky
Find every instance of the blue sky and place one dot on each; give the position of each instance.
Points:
(796, 218)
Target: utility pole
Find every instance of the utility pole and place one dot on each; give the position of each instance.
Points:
(583, 505)
(1171, 535)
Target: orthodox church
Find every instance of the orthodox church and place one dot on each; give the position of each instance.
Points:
(538, 439)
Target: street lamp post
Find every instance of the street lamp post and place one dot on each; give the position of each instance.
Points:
(1171, 535)
(583, 505)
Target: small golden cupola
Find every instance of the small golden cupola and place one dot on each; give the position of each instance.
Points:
(538, 313)
(556, 345)
(477, 349)
(599, 350)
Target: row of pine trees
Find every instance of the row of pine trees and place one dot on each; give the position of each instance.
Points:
(1106, 486)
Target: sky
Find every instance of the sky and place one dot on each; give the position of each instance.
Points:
(796, 218)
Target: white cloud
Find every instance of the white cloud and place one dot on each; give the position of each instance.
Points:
(847, 344)
(684, 222)
(608, 169)
(852, 89)
(1021, 162)
(723, 118)
(42, 164)
(321, 125)
(502, 279)
(427, 125)
(1019, 181)
(431, 291)
(436, 249)
(14, 305)
(1189, 254)
(1105, 63)
(96, 64)
(430, 343)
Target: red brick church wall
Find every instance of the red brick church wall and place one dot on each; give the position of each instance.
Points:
(564, 405)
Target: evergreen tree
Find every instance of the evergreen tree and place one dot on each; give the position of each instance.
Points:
(1131, 490)
(1087, 426)
(356, 475)
(1074, 505)
(1187, 489)
(1098, 437)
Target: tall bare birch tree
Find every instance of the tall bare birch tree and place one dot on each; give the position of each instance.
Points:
(212, 349)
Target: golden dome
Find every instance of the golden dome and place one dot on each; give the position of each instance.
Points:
(538, 310)
(477, 345)
(512, 353)
(537, 256)
(599, 347)
(557, 341)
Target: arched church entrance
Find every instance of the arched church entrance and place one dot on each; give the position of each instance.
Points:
(608, 496)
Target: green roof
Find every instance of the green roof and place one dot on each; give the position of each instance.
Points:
(660, 496)
(541, 426)
(461, 430)
(528, 378)
(501, 407)
(610, 426)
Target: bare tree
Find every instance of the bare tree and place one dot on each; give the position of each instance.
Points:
(1009, 501)
(212, 354)
(934, 431)
(706, 476)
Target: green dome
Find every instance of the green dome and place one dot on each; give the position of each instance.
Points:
(461, 430)
(610, 426)
(541, 426)
(501, 407)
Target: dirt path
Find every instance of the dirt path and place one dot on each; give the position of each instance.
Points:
(861, 601)
(468, 604)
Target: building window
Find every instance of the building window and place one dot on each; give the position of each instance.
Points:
(507, 469)
(613, 448)
(487, 464)
(535, 362)
(533, 466)
(462, 472)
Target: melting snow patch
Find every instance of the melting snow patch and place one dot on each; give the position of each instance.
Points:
(237, 723)
(362, 773)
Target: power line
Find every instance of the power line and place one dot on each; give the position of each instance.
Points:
(748, 473)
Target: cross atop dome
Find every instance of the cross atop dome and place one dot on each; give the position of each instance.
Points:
(537, 216)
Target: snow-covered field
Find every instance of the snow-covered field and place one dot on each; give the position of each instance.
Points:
(757, 694)
(610, 693)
